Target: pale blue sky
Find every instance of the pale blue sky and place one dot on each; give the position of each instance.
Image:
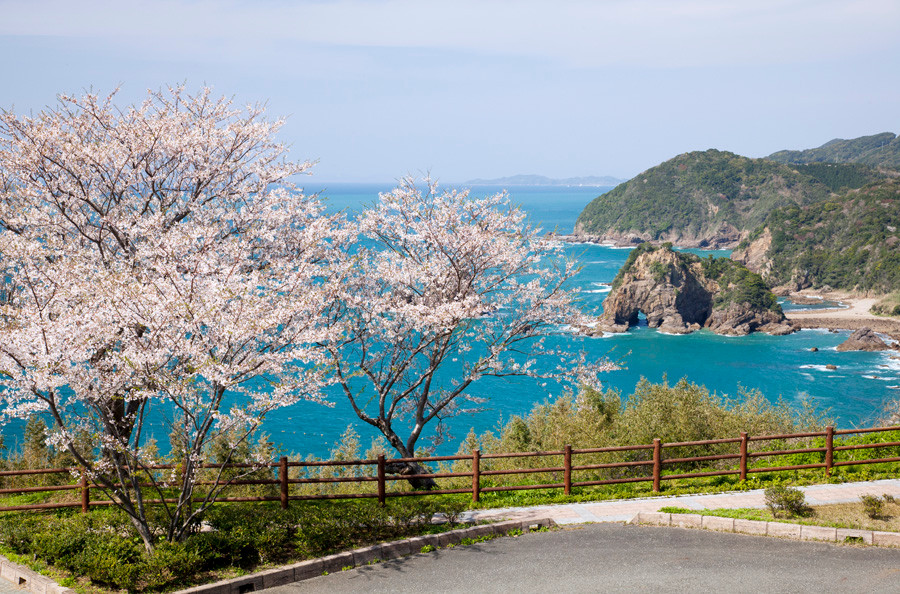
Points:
(375, 89)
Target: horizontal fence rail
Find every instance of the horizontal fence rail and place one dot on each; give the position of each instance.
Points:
(649, 464)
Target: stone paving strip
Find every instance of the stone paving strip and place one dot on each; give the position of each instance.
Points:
(763, 528)
(18, 578)
(311, 568)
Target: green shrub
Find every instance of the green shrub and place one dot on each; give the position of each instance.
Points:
(171, 563)
(250, 534)
(110, 560)
(781, 499)
(873, 506)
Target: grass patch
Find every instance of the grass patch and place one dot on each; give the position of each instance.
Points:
(839, 515)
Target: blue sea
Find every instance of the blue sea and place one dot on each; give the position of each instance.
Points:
(781, 367)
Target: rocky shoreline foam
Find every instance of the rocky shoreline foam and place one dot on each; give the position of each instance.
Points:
(889, 327)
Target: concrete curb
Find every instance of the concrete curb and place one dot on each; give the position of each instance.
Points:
(311, 568)
(761, 528)
(29, 580)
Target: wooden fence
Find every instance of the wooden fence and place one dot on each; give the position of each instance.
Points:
(651, 458)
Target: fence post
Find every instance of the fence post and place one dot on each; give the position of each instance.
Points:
(283, 476)
(657, 463)
(476, 475)
(567, 464)
(829, 449)
(85, 493)
(744, 443)
(381, 480)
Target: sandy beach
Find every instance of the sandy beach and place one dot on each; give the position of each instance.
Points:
(854, 315)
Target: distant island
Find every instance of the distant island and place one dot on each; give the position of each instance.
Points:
(540, 180)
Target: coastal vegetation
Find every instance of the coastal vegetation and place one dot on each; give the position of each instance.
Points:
(679, 412)
(846, 242)
(878, 150)
(819, 218)
(697, 197)
(738, 285)
(889, 305)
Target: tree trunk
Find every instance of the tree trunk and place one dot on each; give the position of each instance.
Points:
(408, 468)
(143, 531)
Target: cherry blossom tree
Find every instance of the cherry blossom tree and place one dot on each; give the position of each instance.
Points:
(447, 289)
(159, 265)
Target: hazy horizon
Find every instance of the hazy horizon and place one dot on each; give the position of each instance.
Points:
(378, 89)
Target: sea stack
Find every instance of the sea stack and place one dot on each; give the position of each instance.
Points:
(863, 339)
(679, 292)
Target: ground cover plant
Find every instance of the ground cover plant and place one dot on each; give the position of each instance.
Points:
(855, 515)
(102, 549)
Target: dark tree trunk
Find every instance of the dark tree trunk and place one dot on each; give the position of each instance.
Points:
(409, 468)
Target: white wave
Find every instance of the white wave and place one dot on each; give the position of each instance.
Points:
(894, 387)
(881, 378)
(808, 376)
(816, 367)
(606, 290)
(889, 362)
(605, 335)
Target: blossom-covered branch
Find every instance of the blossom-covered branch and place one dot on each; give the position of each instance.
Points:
(446, 290)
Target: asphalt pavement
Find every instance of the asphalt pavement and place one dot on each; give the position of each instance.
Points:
(614, 557)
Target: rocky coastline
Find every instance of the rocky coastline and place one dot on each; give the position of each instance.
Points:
(726, 238)
(888, 327)
(678, 293)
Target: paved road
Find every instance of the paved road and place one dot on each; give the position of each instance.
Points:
(622, 510)
(623, 558)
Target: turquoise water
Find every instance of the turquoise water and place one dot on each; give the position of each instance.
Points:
(780, 367)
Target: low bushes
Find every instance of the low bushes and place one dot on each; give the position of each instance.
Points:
(786, 501)
(103, 547)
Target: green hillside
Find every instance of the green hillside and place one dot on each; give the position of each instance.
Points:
(841, 176)
(850, 242)
(692, 196)
(878, 150)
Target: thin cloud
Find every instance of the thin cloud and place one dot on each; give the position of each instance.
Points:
(654, 33)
